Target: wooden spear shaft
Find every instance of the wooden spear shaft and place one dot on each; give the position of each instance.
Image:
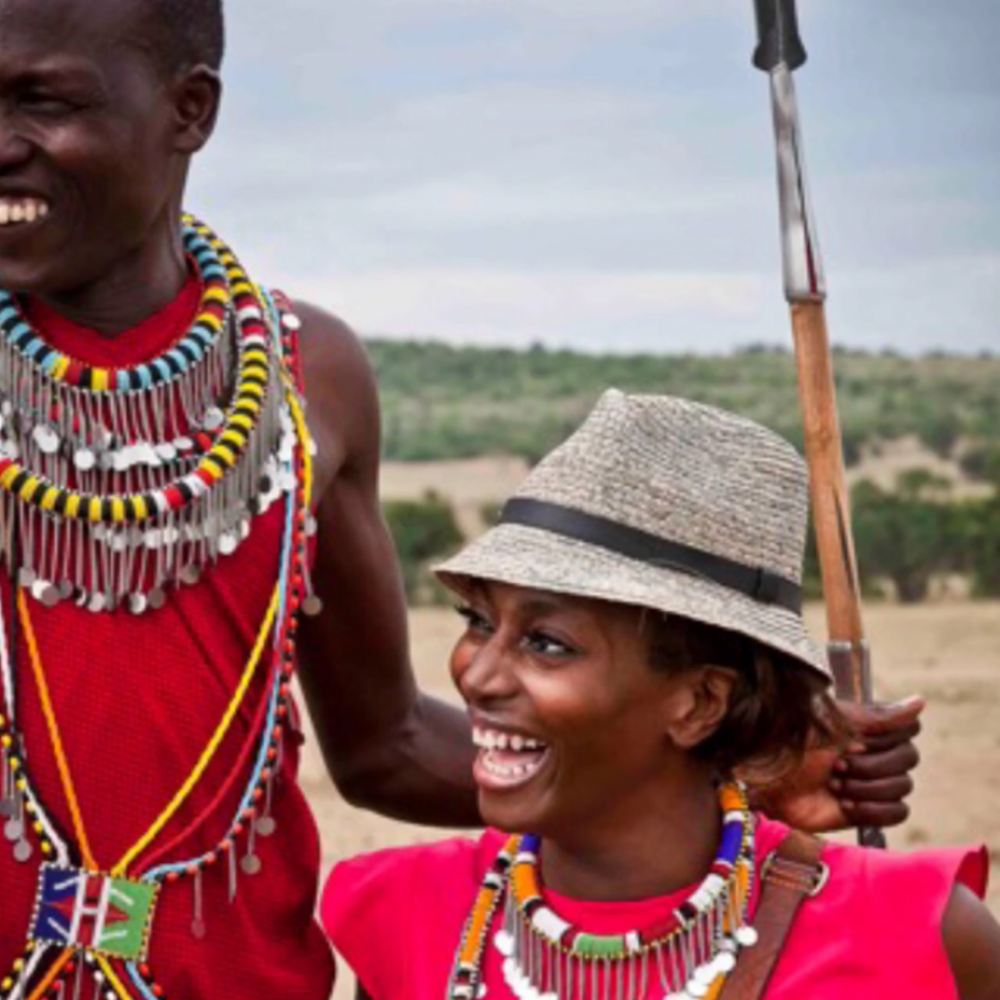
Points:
(779, 53)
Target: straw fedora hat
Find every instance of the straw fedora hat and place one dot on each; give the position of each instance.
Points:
(666, 504)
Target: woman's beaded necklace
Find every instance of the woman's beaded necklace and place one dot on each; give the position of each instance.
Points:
(126, 481)
(685, 955)
(123, 974)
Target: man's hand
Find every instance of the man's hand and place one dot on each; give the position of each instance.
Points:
(866, 786)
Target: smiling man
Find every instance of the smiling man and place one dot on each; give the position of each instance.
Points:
(159, 488)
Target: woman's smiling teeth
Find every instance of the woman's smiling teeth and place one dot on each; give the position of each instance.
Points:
(15, 211)
(508, 759)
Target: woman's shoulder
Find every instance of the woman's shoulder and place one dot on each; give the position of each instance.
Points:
(925, 876)
(396, 872)
(929, 873)
(878, 917)
(418, 897)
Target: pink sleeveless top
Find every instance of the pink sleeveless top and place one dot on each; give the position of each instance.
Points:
(137, 699)
(874, 932)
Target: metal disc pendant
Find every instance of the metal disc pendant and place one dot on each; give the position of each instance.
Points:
(13, 830)
(46, 439)
(166, 451)
(96, 603)
(22, 852)
(214, 419)
(84, 459)
(137, 603)
(8, 807)
(26, 576)
(312, 606)
(705, 974)
(190, 574)
(45, 593)
(251, 865)
(726, 962)
(66, 590)
(266, 826)
(227, 543)
(157, 598)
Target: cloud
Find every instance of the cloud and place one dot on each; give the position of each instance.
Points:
(642, 310)
(601, 172)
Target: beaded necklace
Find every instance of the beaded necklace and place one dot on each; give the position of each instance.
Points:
(125, 481)
(118, 958)
(690, 951)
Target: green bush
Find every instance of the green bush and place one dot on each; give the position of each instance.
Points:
(424, 531)
(445, 402)
(982, 463)
(904, 538)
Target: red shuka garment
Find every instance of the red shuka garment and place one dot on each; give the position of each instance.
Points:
(873, 933)
(137, 699)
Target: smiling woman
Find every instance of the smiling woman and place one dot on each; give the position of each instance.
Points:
(633, 647)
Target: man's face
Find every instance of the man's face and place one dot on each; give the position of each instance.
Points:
(87, 162)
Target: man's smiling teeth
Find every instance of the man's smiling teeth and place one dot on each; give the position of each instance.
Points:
(492, 739)
(19, 210)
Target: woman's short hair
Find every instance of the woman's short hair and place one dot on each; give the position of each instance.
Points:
(778, 707)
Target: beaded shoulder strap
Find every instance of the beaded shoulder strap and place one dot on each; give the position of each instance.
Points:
(290, 325)
(791, 875)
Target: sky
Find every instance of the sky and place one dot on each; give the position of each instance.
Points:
(599, 174)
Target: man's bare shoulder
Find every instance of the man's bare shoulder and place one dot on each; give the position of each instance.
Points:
(340, 390)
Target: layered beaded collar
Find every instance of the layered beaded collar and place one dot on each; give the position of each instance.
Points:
(125, 481)
(111, 913)
(687, 954)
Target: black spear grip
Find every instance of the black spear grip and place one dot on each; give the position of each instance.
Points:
(778, 33)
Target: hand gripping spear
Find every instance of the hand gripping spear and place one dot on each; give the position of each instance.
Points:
(779, 53)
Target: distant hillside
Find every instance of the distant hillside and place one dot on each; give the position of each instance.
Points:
(443, 402)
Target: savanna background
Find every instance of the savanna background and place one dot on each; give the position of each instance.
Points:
(922, 440)
(532, 175)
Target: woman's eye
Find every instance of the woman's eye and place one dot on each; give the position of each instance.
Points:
(48, 104)
(547, 645)
(474, 621)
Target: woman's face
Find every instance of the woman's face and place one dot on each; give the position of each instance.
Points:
(569, 718)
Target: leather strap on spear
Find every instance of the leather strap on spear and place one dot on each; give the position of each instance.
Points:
(779, 53)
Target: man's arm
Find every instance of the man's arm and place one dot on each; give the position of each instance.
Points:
(387, 746)
(866, 786)
(401, 753)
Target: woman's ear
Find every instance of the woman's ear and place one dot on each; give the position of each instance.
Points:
(698, 704)
(197, 94)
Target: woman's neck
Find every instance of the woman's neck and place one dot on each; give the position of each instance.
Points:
(652, 846)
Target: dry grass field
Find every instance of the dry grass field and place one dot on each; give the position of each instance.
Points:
(948, 652)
